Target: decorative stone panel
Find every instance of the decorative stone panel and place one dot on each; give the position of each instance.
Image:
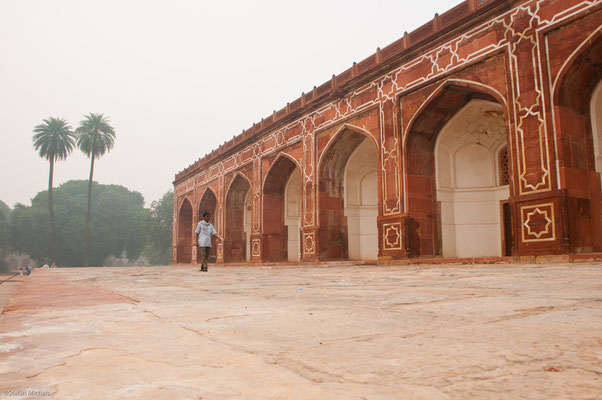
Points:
(537, 223)
(256, 248)
(392, 236)
(309, 243)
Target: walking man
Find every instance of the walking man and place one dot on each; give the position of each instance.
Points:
(206, 231)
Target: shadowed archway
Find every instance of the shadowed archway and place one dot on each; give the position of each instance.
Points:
(184, 250)
(578, 120)
(237, 235)
(470, 168)
(279, 210)
(333, 239)
(208, 204)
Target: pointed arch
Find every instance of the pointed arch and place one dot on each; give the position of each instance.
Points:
(333, 234)
(184, 245)
(208, 191)
(275, 229)
(582, 68)
(336, 136)
(183, 199)
(486, 92)
(439, 109)
(237, 234)
(208, 203)
(276, 161)
(242, 176)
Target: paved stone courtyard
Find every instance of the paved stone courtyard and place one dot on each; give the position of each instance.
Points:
(328, 332)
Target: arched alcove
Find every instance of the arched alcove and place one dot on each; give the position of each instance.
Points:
(184, 249)
(577, 112)
(336, 177)
(208, 204)
(292, 215)
(361, 202)
(442, 183)
(237, 221)
(277, 215)
(468, 189)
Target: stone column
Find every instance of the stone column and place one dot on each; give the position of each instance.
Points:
(309, 228)
(195, 221)
(257, 237)
(219, 216)
(536, 207)
(393, 235)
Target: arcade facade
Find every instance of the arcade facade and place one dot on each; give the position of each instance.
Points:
(478, 134)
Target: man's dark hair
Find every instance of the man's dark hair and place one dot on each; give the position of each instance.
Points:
(206, 213)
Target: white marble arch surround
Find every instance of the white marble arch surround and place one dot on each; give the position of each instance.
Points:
(292, 214)
(361, 202)
(468, 180)
(596, 117)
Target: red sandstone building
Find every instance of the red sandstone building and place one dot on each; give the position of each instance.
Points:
(478, 134)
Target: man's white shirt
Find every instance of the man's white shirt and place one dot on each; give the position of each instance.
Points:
(205, 230)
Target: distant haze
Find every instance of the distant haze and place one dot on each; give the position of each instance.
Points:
(176, 78)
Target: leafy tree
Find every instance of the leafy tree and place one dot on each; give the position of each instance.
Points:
(4, 235)
(95, 137)
(117, 224)
(159, 230)
(54, 140)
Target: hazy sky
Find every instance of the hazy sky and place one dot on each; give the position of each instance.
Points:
(177, 78)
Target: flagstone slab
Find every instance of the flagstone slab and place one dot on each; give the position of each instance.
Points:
(340, 332)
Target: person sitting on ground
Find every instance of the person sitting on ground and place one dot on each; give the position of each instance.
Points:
(205, 230)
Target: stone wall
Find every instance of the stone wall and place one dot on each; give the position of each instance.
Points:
(537, 61)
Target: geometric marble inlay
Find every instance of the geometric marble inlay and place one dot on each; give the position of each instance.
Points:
(256, 247)
(538, 222)
(309, 243)
(392, 236)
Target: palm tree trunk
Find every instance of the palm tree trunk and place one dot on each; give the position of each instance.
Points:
(51, 211)
(89, 208)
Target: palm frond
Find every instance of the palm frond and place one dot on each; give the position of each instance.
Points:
(95, 135)
(54, 139)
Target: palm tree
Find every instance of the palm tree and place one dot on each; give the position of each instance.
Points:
(95, 137)
(54, 139)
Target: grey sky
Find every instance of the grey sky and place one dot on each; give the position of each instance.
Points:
(177, 78)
